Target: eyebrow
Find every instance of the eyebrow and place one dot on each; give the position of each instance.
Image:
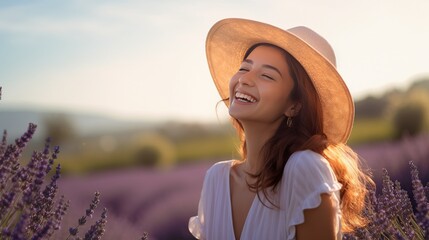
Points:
(265, 66)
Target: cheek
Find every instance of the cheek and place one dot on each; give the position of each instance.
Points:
(282, 105)
(232, 82)
(279, 98)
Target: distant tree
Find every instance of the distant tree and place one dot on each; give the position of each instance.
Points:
(59, 128)
(409, 119)
(153, 149)
(148, 156)
(371, 107)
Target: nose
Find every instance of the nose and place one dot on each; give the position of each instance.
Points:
(247, 79)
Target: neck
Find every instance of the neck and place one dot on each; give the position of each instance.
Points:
(257, 134)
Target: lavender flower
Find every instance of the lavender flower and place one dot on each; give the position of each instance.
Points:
(391, 214)
(44, 231)
(404, 212)
(386, 200)
(97, 230)
(5, 203)
(19, 230)
(422, 208)
(24, 210)
(73, 231)
(60, 212)
(427, 190)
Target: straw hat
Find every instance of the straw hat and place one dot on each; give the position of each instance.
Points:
(229, 39)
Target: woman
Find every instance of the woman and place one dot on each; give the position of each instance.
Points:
(297, 178)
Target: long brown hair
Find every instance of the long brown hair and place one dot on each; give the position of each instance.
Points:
(306, 132)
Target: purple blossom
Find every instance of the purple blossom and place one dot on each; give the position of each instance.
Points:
(97, 230)
(18, 232)
(422, 203)
(43, 233)
(60, 212)
(427, 190)
(391, 214)
(5, 203)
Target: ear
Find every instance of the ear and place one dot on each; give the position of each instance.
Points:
(293, 110)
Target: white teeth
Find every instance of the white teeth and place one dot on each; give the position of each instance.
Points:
(242, 96)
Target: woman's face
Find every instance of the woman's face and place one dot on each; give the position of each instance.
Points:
(260, 90)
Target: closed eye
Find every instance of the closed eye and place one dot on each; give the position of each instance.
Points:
(243, 70)
(267, 76)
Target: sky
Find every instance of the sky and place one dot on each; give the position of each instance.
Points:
(145, 60)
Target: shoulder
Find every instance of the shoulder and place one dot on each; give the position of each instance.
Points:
(306, 159)
(308, 164)
(215, 178)
(306, 155)
(218, 169)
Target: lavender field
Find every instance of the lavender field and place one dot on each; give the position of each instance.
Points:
(395, 157)
(160, 202)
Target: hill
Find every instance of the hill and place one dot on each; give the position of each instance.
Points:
(15, 121)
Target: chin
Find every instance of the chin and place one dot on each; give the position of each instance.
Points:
(234, 113)
(240, 117)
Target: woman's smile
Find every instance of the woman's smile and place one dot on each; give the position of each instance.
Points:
(244, 97)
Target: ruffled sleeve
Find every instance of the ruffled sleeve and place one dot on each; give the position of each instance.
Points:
(308, 175)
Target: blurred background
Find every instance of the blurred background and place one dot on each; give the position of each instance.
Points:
(123, 88)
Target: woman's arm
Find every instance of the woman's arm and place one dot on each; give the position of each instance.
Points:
(319, 223)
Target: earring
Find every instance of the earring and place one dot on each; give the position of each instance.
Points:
(289, 122)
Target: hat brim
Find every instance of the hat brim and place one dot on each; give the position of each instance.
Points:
(229, 39)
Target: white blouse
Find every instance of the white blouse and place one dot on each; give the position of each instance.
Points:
(305, 177)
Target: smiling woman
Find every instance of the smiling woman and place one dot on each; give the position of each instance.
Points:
(297, 178)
